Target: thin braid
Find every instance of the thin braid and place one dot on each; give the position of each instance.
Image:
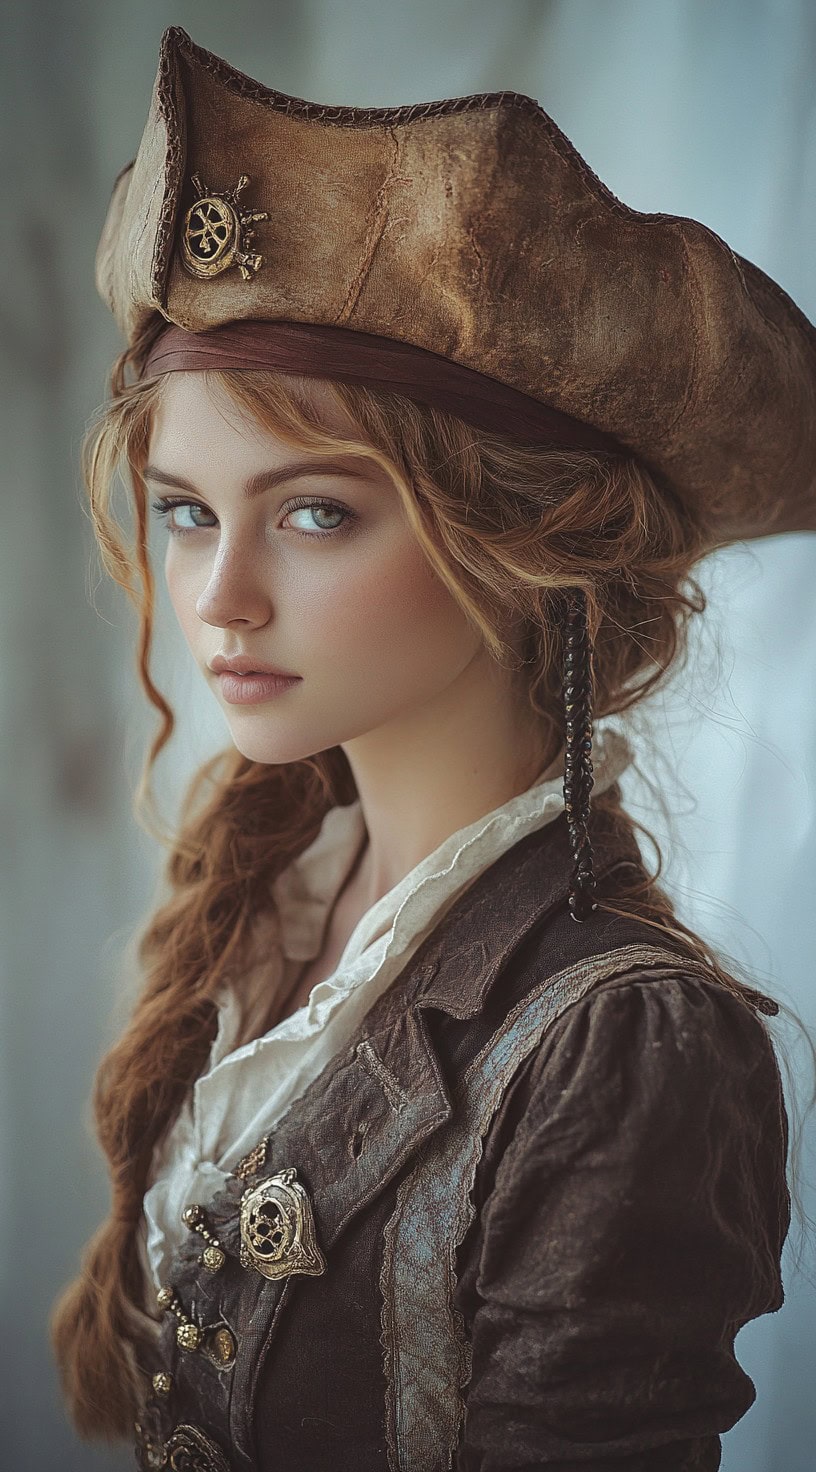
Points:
(578, 777)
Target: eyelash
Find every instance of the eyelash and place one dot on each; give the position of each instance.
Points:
(165, 504)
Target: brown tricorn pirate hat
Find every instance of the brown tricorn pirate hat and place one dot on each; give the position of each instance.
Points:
(472, 229)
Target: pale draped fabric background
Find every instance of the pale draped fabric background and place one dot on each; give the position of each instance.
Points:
(680, 105)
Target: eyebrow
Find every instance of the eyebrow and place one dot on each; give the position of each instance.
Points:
(263, 480)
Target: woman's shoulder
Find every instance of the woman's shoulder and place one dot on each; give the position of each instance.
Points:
(644, 1035)
(652, 1113)
(652, 1076)
(666, 1029)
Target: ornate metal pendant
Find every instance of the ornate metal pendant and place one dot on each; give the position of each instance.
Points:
(215, 234)
(190, 1450)
(277, 1228)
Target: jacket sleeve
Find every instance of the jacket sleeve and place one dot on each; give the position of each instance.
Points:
(635, 1223)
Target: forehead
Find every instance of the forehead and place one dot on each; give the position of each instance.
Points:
(196, 413)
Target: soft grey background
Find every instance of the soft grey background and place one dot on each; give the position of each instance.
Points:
(680, 105)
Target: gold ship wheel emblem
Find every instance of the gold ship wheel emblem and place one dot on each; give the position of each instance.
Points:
(216, 232)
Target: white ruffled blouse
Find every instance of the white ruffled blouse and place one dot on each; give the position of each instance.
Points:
(251, 1080)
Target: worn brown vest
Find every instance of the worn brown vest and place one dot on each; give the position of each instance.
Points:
(336, 1299)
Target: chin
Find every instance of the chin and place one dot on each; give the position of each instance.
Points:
(270, 748)
(267, 753)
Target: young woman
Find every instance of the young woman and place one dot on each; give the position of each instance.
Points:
(411, 1171)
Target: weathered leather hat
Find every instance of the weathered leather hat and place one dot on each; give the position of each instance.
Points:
(471, 231)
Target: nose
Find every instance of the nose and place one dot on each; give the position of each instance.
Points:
(234, 592)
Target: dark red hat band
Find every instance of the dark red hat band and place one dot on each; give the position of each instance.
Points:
(318, 351)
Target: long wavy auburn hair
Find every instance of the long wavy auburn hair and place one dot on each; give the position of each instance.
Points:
(508, 528)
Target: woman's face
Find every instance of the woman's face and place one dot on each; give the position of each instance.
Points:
(341, 596)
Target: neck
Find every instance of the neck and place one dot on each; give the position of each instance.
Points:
(441, 769)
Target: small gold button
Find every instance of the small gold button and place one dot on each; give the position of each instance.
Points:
(188, 1336)
(220, 1346)
(162, 1383)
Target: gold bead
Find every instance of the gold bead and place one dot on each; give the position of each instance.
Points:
(162, 1382)
(212, 1258)
(191, 1216)
(188, 1336)
(165, 1296)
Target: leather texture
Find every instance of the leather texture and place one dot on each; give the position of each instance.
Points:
(547, 1175)
(471, 227)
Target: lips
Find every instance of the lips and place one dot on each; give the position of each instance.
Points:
(244, 664)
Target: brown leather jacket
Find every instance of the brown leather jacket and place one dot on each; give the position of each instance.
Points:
(533, 1200)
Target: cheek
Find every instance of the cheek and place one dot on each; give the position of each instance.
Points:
(391, 622)
(183, 589)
